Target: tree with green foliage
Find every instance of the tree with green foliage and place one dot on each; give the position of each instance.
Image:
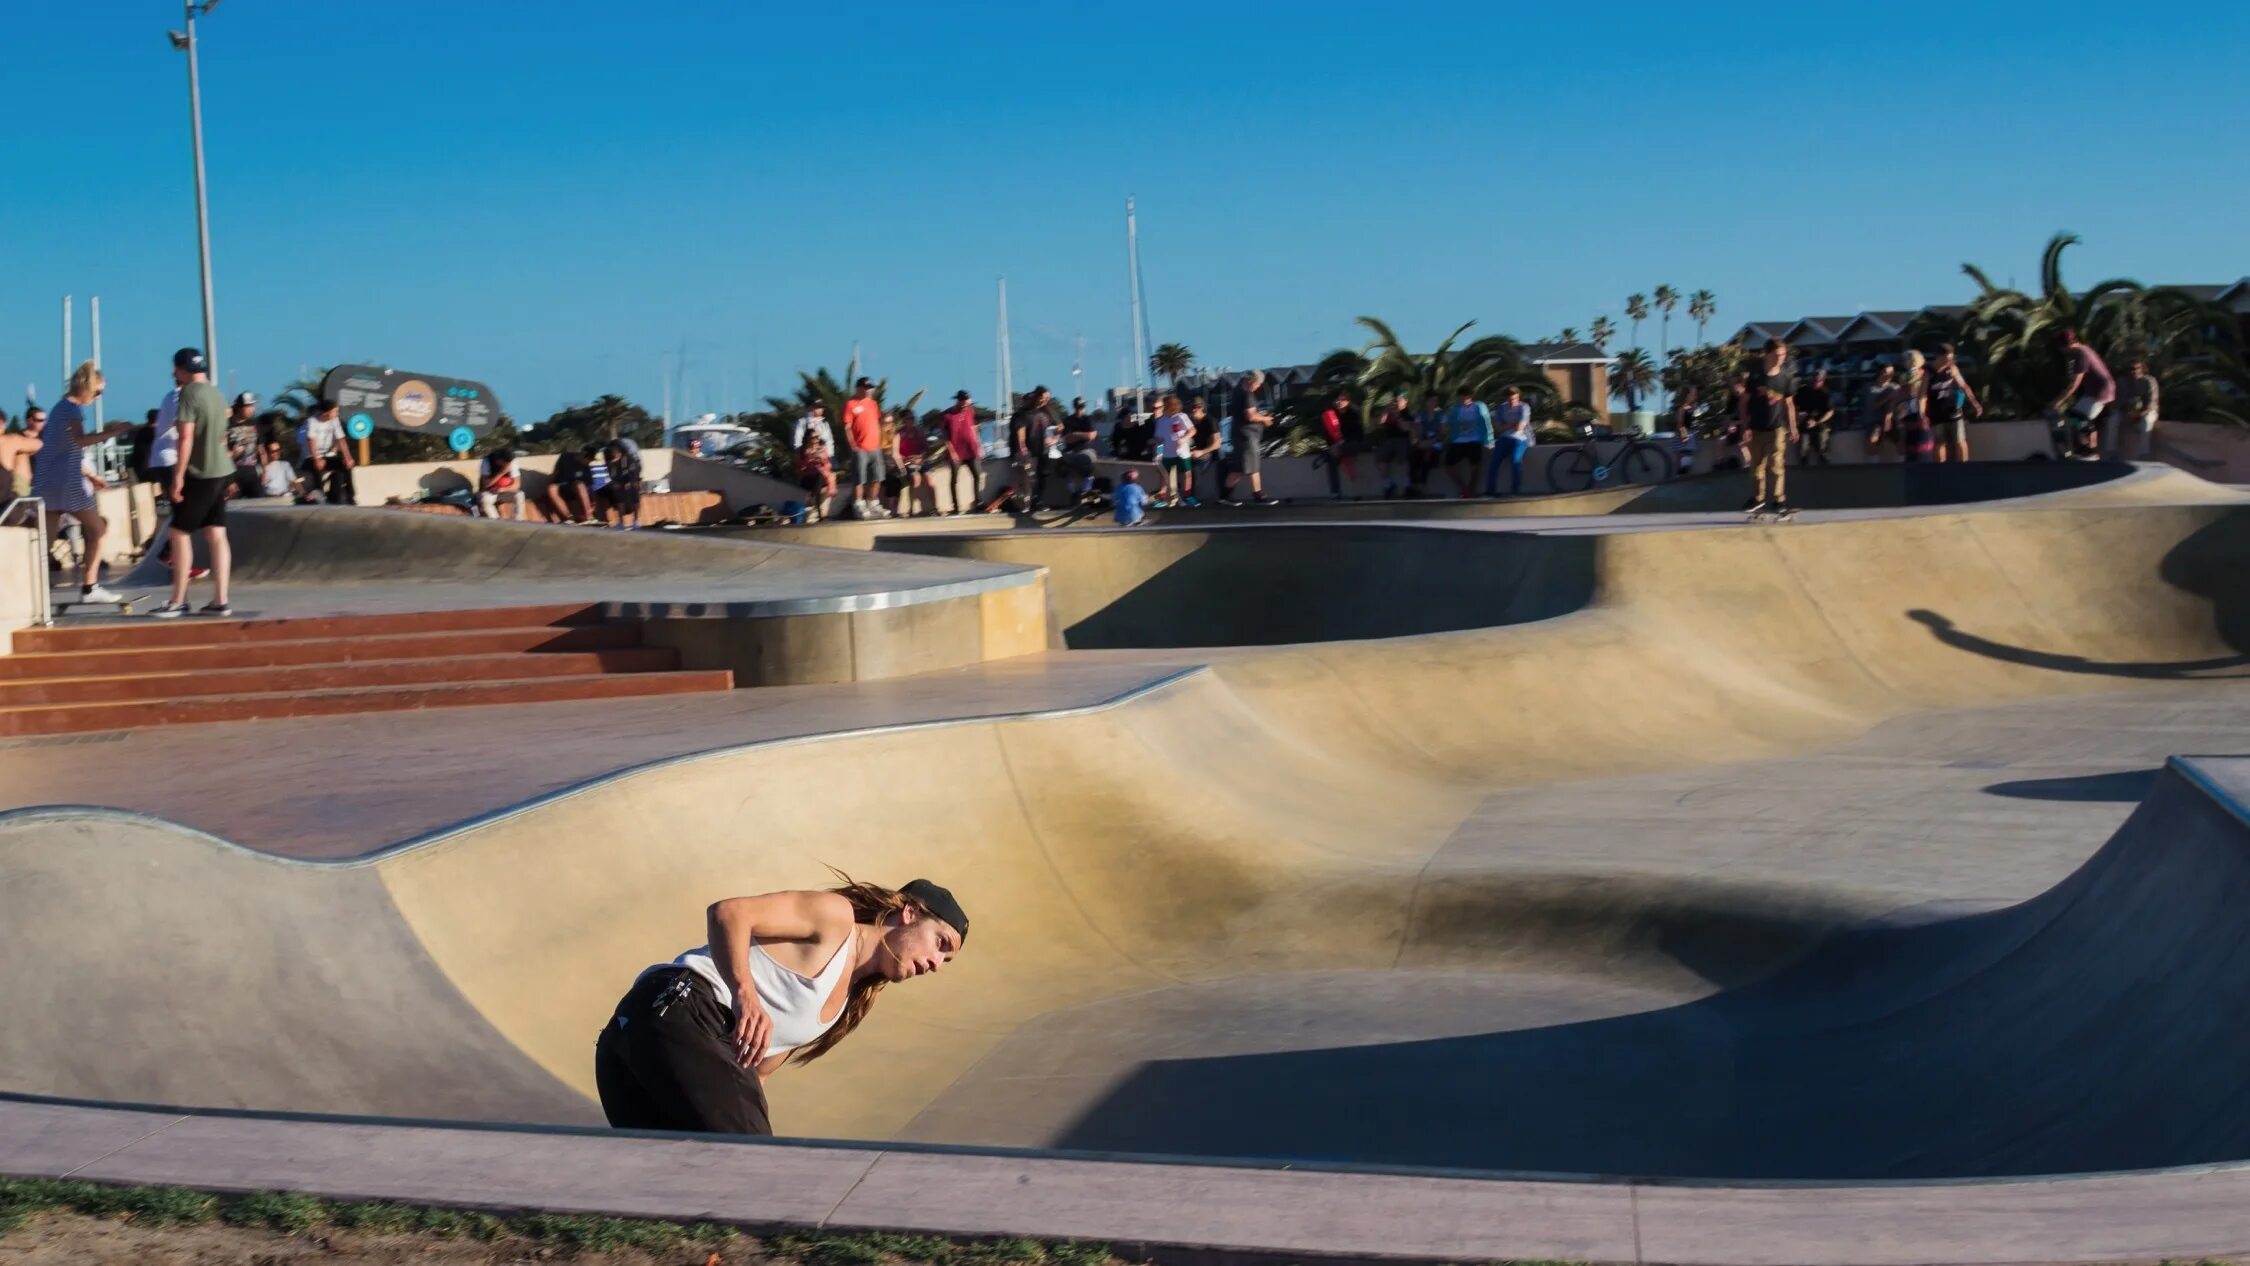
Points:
(1171, 360)
(1708, 370)
(608, 418)
(1601, 332)
(1701, 307)
(1666, 299)
(2010, 348)
(1630, 375)
(1636, 311)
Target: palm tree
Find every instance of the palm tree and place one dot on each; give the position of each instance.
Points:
(1171, 360)
(1636, 311)
(1567, 334)
(1702, 306)
(1601, 332)
(1486, 367)
(1631, 374)
(1666, 299)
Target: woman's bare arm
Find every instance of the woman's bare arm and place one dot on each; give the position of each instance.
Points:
(731, 925)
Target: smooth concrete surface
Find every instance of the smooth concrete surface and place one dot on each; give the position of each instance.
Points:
(1325, 812)
(1144, 1209)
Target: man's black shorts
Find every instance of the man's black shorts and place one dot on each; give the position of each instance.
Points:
(1464, 451)
(202, 504)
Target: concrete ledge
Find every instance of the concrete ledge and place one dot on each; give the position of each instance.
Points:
(1140, 1205)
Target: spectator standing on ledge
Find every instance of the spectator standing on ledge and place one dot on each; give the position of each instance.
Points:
(1394, 443)
(2088, 394)
(1079, 436)
(1881, 406)
(1175, 440)
(863, 429)
(498, 479)
(1207, 450)
(1132, 500)
(2143, 400)
(199, 487)
(1513, 422)
(1029, 435)
(1769, 417)
(1346, 435)
(1815, 410)
(58, 474)
(964, 451)
(1468, 441)
(1249, 421)
(1429, 442)
(328, 455)
(1911, 417)
(1949, 393)
(624, 458)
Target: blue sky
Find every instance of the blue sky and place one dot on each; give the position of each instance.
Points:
(551, 197)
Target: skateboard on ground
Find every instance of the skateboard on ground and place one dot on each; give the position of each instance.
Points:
(1764, 515)
(121, 606)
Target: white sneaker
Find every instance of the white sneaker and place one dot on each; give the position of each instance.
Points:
(99, 594)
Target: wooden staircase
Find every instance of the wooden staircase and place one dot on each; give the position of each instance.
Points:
(129, 674)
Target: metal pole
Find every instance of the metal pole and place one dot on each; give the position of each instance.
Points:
(95, 307)
(1140, 348)
(66, 366)
(202, 206)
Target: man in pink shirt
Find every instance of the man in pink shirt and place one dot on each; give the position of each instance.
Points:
(964, 450)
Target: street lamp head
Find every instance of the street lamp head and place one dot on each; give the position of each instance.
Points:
(179, 41)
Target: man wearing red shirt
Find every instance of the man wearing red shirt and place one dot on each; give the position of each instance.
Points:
(863, 430)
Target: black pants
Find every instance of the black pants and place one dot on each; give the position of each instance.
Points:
(1812, 446)
(666, 1061)
(340, 490)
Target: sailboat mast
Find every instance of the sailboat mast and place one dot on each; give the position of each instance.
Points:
(1140, 346)
(1006, 401)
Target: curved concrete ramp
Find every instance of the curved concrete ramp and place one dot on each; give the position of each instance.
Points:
(1284, 818)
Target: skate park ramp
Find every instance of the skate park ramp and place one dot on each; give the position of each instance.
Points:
(1231, 913)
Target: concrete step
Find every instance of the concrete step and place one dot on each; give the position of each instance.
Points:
(466, 669)
(140, 632)
(74, 718)
(268, 654)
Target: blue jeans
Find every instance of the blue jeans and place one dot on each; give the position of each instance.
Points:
(1508, 452)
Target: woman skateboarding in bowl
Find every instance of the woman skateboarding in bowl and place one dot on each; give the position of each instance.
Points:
(784, 977)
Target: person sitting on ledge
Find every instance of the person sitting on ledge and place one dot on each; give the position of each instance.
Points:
(570, 490)
(784, 977)
(498, 480)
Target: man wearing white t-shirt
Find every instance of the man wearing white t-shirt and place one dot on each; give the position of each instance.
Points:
(328, 459)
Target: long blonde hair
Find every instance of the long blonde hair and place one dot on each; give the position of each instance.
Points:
(84, 379)
(871, 903)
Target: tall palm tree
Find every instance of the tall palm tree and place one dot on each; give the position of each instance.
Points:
(1702, 306)
(1666, 299)
(1171, 360)
(1567, 334)
(1636, 311)
(1631, 374)
(1601, 332)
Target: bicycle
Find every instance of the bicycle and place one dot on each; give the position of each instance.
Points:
(1638, 461)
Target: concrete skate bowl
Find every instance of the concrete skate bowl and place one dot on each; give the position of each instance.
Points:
(1278, 583)
(1277, 954)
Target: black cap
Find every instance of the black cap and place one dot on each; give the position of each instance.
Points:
(191, 360)
(940, 903)
(960, 395)
(864, 382)
(247, 399)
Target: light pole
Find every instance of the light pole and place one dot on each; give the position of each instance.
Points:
(186, 44)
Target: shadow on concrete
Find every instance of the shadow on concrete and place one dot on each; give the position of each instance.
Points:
(2093, 1027)
(1953, 635)
(2123, 787)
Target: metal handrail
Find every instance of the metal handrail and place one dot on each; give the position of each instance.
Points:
(42, 600)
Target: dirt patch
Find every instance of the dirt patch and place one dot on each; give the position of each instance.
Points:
(69, 1239)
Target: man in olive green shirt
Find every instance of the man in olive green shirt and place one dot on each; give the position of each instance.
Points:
(200, 486)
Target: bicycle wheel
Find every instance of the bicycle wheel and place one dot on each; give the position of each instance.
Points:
(1644, 464)
(1572, 470)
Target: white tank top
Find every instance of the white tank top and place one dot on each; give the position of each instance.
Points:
(792, 1000)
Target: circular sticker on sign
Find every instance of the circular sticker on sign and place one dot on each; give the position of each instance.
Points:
(359, 426)
(414, 403)
(463, 439)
